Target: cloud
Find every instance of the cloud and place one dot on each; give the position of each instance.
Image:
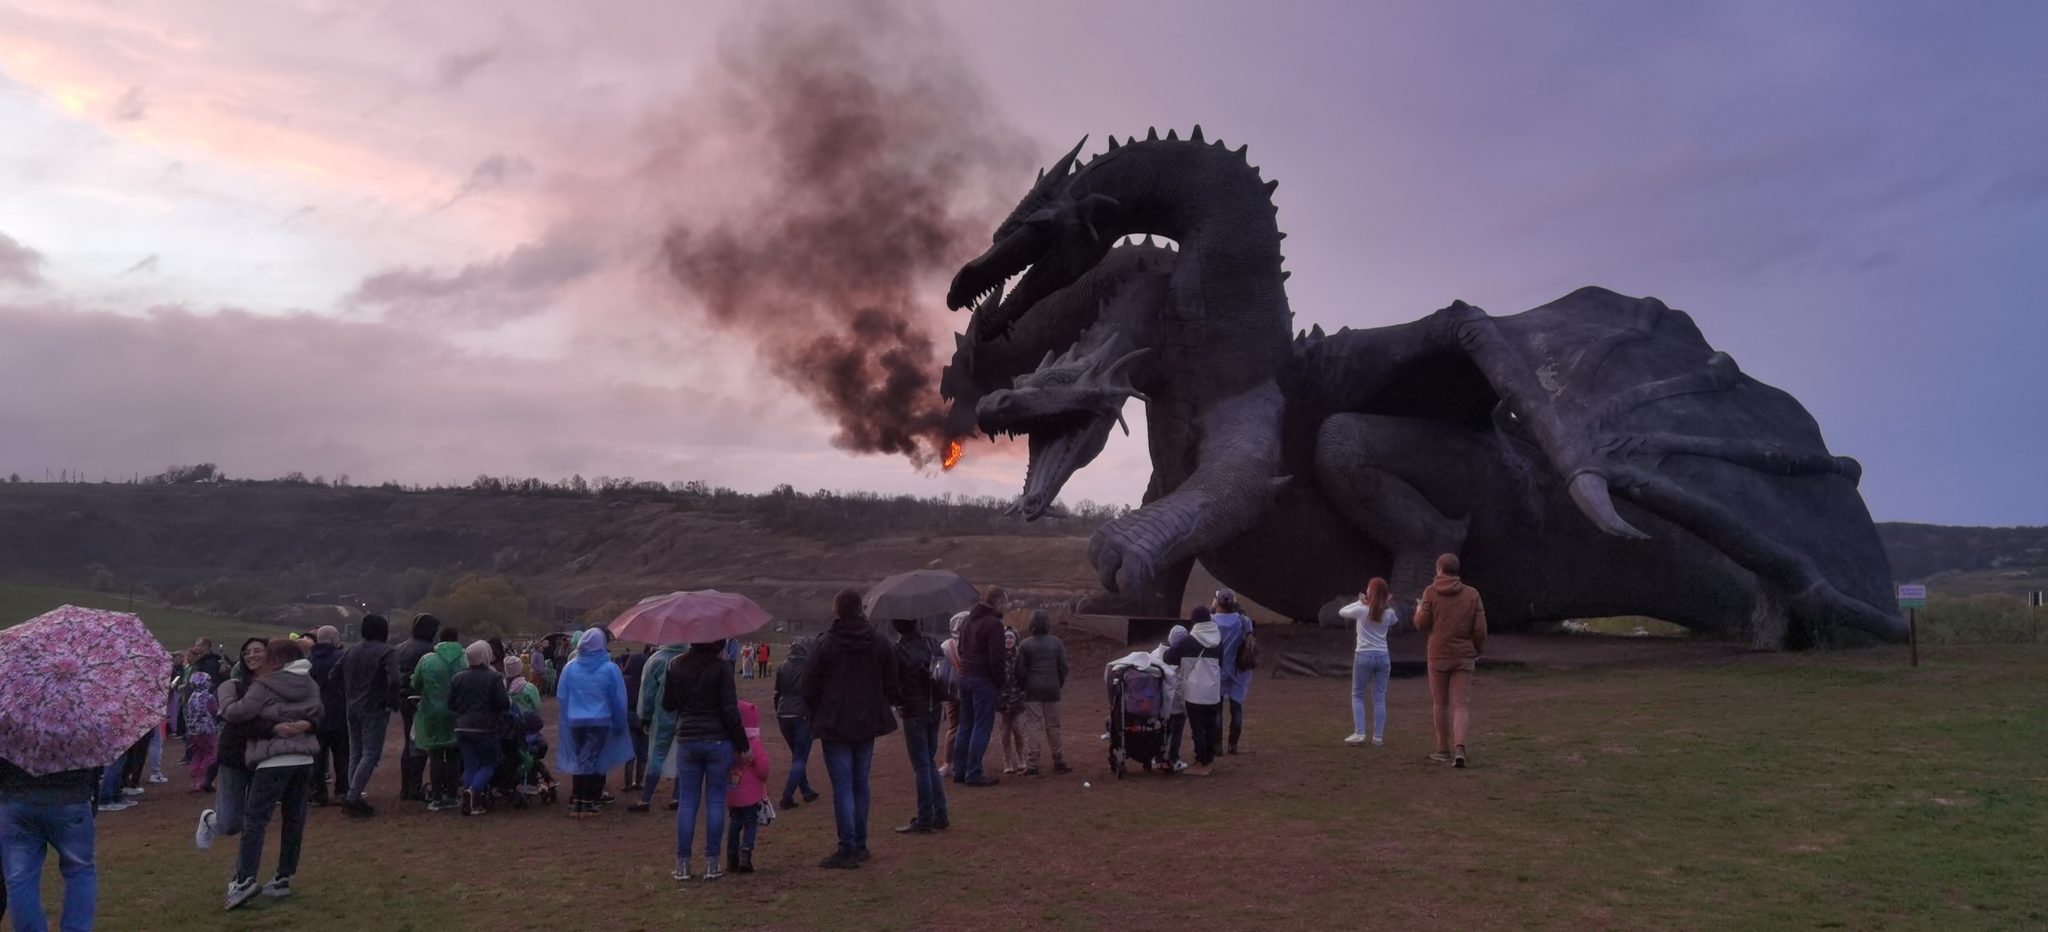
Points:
(517, 284)
(20, 264)
(148, 264)
(452, 70)
(131, 106)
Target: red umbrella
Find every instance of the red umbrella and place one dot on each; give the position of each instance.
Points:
(81, 686)
(689, 617)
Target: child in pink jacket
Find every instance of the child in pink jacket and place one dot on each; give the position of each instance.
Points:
(744, 797)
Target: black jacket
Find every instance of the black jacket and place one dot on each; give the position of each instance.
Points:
(1042, 662)
(211, 665)
(424, 628)
(789, 695)
(326, 660)
(917, 696)
(63, 788)
(848, 682)
(477, 697)
(698, 688)
(981, 644)
(369, 677)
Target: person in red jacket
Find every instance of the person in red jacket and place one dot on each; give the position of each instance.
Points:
(749, 787)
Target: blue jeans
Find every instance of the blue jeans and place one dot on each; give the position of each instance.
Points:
(25, 832)
(796, 732)
(657, 755)
(365, 748)
(479, 758)
(110, 783)
(230, 800)
(977, 723)
(272, 788)
(921, 739)
(705, 765)
(848, 763)
(1369, 671)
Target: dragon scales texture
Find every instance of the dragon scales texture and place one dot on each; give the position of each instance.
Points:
(1593, 456)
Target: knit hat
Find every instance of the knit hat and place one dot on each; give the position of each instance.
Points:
(478, 653)
(513, 668)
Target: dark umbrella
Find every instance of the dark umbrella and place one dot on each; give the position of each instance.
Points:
(920, 594)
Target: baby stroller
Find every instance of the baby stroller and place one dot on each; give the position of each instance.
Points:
(522, 775)
(1137, 713)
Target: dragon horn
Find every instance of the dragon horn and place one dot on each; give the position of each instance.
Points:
(1590, 493)
(1059, 169)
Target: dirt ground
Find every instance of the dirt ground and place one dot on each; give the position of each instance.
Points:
(1744, 791)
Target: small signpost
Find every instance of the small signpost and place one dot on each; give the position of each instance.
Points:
(1913, 599)
(2034, 601)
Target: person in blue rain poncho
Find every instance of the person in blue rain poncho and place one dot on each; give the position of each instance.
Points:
(592, 736)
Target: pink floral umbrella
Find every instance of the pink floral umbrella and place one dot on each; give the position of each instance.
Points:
(689, 617)
(80, 685)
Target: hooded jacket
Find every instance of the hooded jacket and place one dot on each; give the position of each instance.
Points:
(326, 661)
(848, 681)
(477, 698)
(413, 651)
(1232, 627)
(752, 786)
(287, 695)
(1175, 705)
(591, 733)
(433, 725)
(369, 672)
(1455, 619)
(917, 695)
(1042, 662)
(652, 677)
(698, 690)
(1200, 659)
(981, 648)
(789, 697)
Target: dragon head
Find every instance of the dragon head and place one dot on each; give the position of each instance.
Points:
(1050, 237)
(1066, 408)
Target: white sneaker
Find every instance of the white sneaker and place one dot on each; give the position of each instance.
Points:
(682, 871)
(241, 891)
(131, 791)
(1179, 766)
(280, 887)
(1357, 737)
(116, 806)
(1376, 741)
(203, 835)
(159, 778)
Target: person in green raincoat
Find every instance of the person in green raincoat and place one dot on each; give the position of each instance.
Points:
(433, 726)
(524, 695)
(659, 725)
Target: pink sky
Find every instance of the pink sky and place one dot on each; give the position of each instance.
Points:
(417, 241)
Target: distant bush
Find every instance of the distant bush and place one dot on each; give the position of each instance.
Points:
(482, 606)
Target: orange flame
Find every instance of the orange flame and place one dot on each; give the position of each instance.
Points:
(953, 453)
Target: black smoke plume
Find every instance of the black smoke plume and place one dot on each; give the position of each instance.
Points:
(879, 170)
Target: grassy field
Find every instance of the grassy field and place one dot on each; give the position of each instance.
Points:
(1769, 792)
(175, 629)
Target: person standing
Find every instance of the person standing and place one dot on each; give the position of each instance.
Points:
(794, 720)
(230, 762)
(636, 769)
(981, 678)
(949, 686)
(743, 798)
(1454, 617)
(284, 706)
(37, 814)
(1010, 708)
(917, 704)
(700, 692)
(478, 702)
(847, 686)
(761, 663)
(334, 753)
(655, 721)
(591, 734)
(433, 726)
(1042, 664)
(202, 726)
(369, 680)
(412, 765)
(1200, 659)
(524, 695)
(1234, 626)
(1176, 707)
(1370, 616)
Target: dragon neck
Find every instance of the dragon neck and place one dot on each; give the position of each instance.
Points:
(1204, 195)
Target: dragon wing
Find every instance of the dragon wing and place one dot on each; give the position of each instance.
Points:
(1625, 397)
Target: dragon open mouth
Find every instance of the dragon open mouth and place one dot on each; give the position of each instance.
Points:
(1060, 445)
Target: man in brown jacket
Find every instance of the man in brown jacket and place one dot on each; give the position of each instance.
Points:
(1453, 616)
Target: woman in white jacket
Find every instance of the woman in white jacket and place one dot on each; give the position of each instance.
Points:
(1200, 659)
(1370, 616)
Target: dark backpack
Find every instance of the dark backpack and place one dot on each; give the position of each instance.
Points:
(945, 675)
(1248, 648)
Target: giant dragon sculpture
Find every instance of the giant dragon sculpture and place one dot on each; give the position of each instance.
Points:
(1593, 456)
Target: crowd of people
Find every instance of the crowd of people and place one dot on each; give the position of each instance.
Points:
(291, 723)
